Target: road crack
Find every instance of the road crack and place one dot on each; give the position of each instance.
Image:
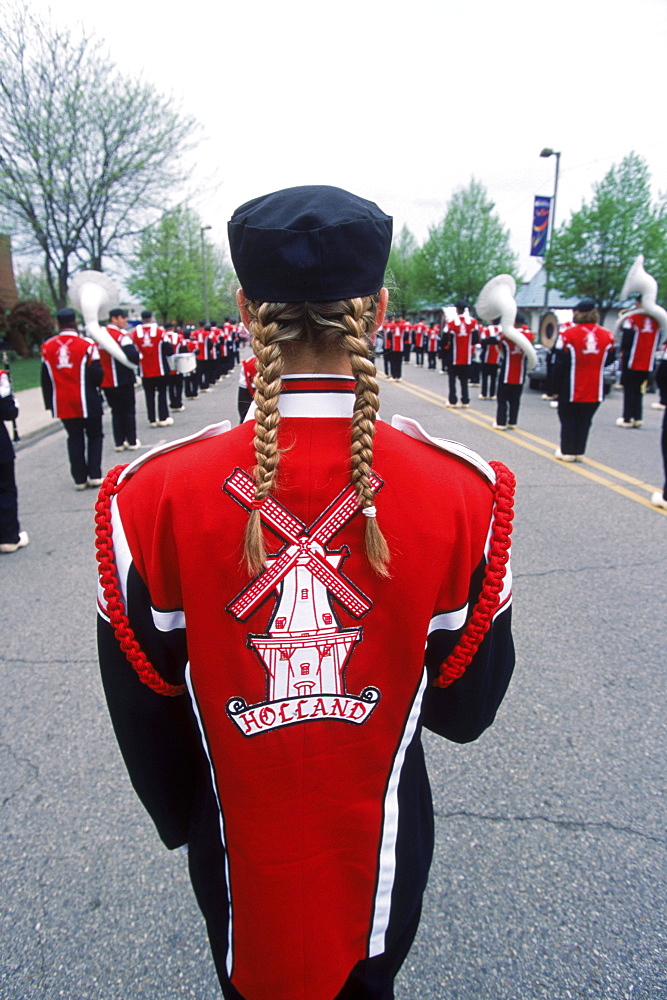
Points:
(568, 824)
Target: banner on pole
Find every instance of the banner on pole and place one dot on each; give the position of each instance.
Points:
(541, 213)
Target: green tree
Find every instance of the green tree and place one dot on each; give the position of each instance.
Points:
(469, 246)
(167, 272)
(591, 253)
(403, 296)
(87, 154)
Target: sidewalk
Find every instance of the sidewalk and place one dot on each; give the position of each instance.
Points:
(33, 421)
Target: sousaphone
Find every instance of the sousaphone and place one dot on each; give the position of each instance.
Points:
(94, 294)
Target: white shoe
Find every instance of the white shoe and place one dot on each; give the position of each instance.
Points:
(578, 458)
(81, 486)
(512, 427)
(554, 404)
(657, 500)
(545, 396)
(482, 397)
(95, 482)
(499, 427)
(8, 547)
(465, 406)
(447, 403)
(493, 397)
(133, 447)
(153, 423)
(178, 409)
(165, 423)
(119, 447)
(624, 423)
(637, 423)
(564, 458)
(657, 406)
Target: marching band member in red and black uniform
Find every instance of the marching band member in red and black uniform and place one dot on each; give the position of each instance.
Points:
(490, 357)
(433, 345)
(118, 384)
(396, 338)
(461, 334)
(419, 335)
(292, 765)
(11, 537)
(154, 350)
(640, 336)
(581, 352)
(71, 375)
(511, 376)
(246, 385)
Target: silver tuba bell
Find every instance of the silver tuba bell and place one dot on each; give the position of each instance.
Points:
(94, 294)
(640, 282)
(497, 299)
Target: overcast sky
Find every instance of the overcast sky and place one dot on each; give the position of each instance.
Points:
(401, 102)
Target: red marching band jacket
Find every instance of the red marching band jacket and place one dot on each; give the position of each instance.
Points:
(68, 384)
(586, 348)
(463, 333)
(640, 338)
(149, 339)
(295, 757)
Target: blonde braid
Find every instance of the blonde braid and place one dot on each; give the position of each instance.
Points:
(366, 405)
(330, 326)
(268, 383)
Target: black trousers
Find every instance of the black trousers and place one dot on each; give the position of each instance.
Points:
(489, 378)
(396, 363)
(509, 399)
(9, 505)
(192, 384)
(633, 398)
(156, 385)
(432, 359)
(84, 447)
(123, 408)
(175, 385)
(661, 381)
(419, 355)
(462, 373)
(575, 423)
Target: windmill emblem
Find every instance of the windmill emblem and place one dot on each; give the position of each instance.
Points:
(304, 651)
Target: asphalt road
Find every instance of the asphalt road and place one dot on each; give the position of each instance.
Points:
(549, 879)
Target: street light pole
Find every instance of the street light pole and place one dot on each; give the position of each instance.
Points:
(203, 268)
(546, 152)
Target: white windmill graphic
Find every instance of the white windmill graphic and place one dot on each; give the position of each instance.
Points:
(304, 651)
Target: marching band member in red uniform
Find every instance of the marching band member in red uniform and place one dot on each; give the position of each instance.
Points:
(490, 358)
(71, 375)
(511, 377)
(433, 345)
(154, 350)
(581, 352)
(640, 336)
(293, 765)
(461, 334)
(118, 384)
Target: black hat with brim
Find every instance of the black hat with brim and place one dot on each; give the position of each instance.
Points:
(309, 244)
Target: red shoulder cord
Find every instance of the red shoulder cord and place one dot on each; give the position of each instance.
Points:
(479, 622)
(137, 659)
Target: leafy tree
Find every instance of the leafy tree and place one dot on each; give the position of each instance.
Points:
(31, 283)
(86, 154)
(403, 297)
(167, 272)
(29, 323)
(590, 254)
(469, 246)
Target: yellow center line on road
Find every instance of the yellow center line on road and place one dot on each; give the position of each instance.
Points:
(524, 439)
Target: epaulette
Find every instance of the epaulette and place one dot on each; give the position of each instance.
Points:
(415, 430)
(213, 430)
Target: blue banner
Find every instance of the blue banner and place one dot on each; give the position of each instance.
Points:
(541, 213)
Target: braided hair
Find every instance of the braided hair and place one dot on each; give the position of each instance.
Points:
(328, 328)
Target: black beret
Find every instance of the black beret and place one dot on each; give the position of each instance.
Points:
(66, 315)
(585, 306)
(309, 244)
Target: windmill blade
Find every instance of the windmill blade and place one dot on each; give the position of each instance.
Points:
(242, 487)
(342, 510)
(253, 595)
(351, 598)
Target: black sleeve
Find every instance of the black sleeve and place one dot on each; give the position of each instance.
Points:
(94, 373)
(47, 388)
(157, 734)
(463, 710)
